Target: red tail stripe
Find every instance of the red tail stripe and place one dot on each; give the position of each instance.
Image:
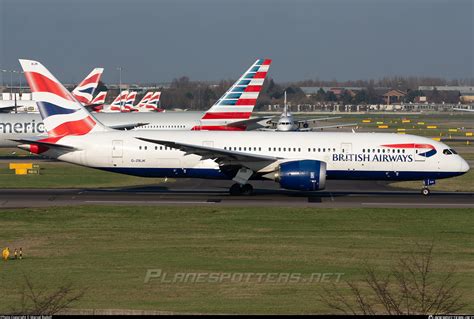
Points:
(92, 79)
(267, 62)
(246, 102)
(79, 127)
(81, 99)
(226, 115)
(260, 75)
(41, 83)
(253, 88)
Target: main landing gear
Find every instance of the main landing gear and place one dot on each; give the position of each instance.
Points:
(241, 187)
(425, 191)
(237, 189)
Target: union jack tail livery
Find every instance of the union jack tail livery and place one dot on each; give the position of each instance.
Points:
(100, 98)
(97, 104)
(128, 107)
(144, 101)
(238, 102)
(62, 114)
(85, 90)
(152, 104)
(119, 101)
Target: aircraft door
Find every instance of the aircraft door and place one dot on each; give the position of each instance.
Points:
(117, 152)
(346, 148)
(417, 157)
(208, 143)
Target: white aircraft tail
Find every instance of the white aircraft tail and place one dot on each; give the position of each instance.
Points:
(62, 114)
(238, 102)
(118, 104)
(85, 90)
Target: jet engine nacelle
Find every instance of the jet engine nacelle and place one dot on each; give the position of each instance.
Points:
(304, 175)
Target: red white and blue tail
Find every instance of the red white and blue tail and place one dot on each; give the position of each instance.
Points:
(62, 114)
(144, 100)
(128, 107)
(238, 102)
(85, 90)
(152, 104)
(119, 102)
(100, 98)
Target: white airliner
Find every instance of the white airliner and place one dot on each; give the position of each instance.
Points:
(287, 122)
(296, 160)
(83, 93)
(228, 113)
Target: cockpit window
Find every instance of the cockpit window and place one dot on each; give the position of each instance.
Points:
(447, 152)
(453, 151)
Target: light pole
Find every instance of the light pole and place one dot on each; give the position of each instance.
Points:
(19, 77)
(120, 86)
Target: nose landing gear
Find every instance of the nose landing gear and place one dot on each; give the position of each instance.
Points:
(426, 183)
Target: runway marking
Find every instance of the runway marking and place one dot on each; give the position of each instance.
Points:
(419, 204)
(148, 202)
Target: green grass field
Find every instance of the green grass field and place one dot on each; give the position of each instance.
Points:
(108, 250)
(64, 175)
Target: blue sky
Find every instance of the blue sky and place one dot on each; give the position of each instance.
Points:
(156, 41)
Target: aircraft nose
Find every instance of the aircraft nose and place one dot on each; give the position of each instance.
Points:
(464, 166)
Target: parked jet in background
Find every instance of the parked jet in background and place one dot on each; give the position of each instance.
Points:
(128, 106)
(287, 122)
(296, 160)
(143, 102)
(98, 102)
(229, 113)
(150, 105)
(83, 93)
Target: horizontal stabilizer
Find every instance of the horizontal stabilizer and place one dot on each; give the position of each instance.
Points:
(46, 144)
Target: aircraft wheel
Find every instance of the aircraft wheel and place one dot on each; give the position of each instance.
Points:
(247, 189)
(235, 190)
(425, 191)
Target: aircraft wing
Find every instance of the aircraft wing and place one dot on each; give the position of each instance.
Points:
(248, 122)
(329, 126)
(128, 126)
(47, 144)
(220, 156)
(314, 121)
(7, 109)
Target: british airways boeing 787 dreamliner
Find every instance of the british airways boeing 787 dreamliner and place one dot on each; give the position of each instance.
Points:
(296, 160)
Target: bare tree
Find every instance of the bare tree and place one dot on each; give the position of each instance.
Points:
(411, 287)
(35, 301)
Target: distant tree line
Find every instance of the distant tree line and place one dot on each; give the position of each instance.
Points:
(184, 93)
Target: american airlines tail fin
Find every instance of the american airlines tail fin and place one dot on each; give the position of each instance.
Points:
(238, 102)
(85, 90)
(62, 114)
(128, 107)
(117, 104)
